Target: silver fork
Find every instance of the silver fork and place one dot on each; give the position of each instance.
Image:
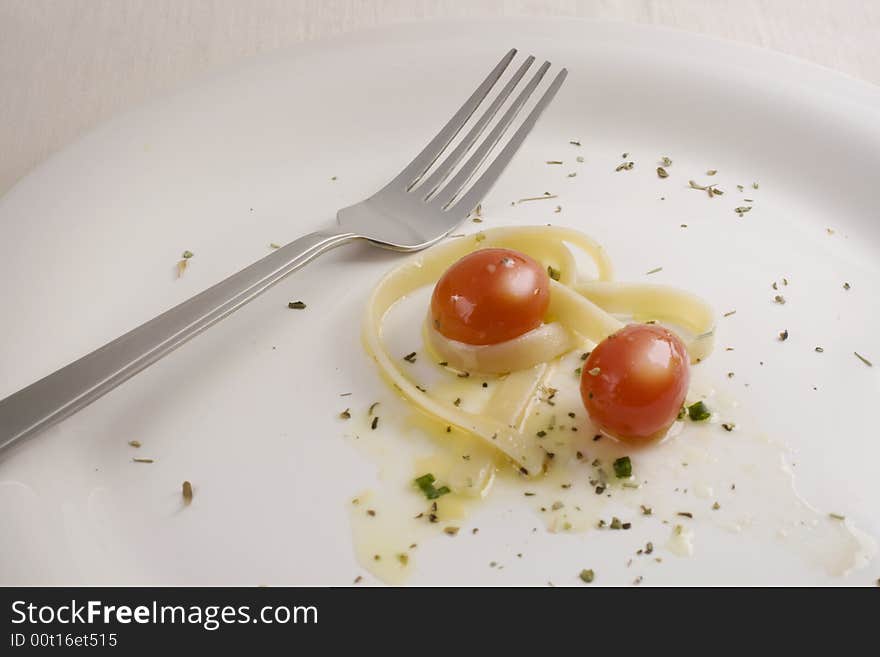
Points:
(408, 214)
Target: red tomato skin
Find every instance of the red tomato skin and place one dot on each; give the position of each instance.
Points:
(490, 296)
(641, 383)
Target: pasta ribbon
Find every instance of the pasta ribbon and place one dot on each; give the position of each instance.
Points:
(583, 311)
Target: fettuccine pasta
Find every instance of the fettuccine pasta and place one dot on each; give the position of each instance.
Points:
(582, 312)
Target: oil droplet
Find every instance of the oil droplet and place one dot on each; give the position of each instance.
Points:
(681, 541)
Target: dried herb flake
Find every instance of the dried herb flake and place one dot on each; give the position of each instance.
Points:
(537, 198)
(699, 412)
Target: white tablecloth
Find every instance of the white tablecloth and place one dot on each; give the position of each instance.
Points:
(66, 65)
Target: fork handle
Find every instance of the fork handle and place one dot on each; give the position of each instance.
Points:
(74, 386)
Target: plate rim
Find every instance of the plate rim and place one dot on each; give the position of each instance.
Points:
(858, 90)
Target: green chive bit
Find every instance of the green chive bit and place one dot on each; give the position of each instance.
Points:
(623, 468)
(553, 273)
(699, 412)
(425, 481)
(187, 255)
(587, 576)
(426, 485)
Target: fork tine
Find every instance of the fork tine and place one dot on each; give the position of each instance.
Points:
(446, 195)
(413, 172)
(479, 189)
(442, 172)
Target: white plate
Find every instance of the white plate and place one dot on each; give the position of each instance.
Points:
(247, 412)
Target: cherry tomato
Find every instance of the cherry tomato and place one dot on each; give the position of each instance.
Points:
(634, 382)
(490, 296)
